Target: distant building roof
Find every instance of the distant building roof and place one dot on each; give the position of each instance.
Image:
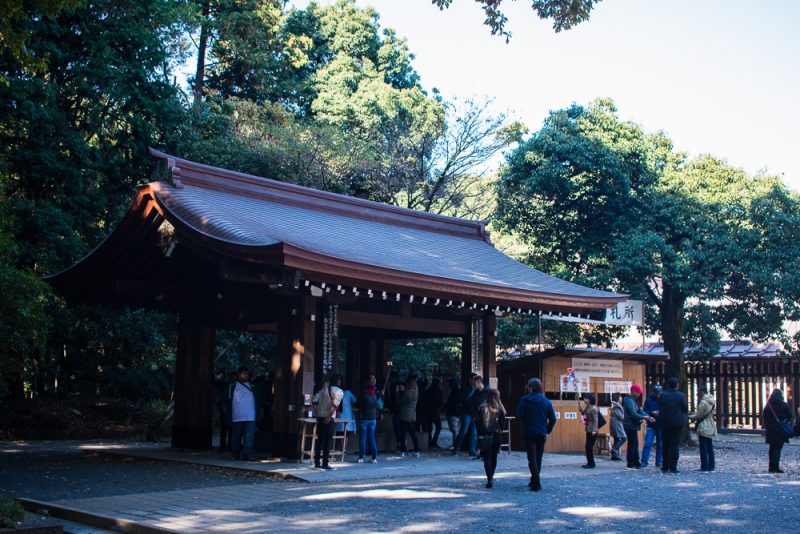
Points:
(730, 350)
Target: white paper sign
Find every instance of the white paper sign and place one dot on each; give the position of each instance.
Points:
(577, 384)
(617, 386)
(570, 415)
(594, 367)
(630, 312)
(558, 415)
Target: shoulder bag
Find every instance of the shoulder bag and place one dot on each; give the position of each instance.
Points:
(784, 425)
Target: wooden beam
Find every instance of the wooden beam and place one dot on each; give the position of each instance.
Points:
(393, 322)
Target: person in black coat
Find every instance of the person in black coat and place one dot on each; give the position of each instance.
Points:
(673, 418)
(432, 402)
(775, 410)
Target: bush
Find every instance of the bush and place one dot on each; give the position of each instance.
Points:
(156, 416)
(10, 512)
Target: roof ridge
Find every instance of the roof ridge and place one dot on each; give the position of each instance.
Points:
(237, 182)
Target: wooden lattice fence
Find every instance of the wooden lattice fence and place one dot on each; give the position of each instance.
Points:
(741, 386)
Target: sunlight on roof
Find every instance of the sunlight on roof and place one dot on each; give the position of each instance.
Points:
(725, 522)
(321, 522)
(790, 483)
(493, 505)
(716, 493)
(605, 512)
(424, 527)
(382, 494)
(725, 507)
(686, 485)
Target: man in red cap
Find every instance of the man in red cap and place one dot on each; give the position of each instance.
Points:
(634, 415)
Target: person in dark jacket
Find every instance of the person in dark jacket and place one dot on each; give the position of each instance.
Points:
(469, 411)
(222, 384)
(617, 428)
(634, 415)
(538, 418)
(367, 405)
(775, 410)
(491, 421)
(590, 414)
(653, 434)
(432, 401)
(673, 418)
(452, 408)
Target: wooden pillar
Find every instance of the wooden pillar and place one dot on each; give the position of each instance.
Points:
(194, 374)
(353, 357)
(488, 346)
(466, 354)
(294, 372)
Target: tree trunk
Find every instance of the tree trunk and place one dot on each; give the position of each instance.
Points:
(672, 312)
(200, 72)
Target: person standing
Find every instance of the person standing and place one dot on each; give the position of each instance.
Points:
(469, 411)
(433, 402)
(244, 406)
(538, 418)
(590, 416)
(452, 408)
(367, 405)
(223, 383)
(774, 411)
(407, 405)
(346, 411)
(617, 430)
(326, 402)
(634, 415)
(706, 428)
(491, 421)
(674, 416)
(653, 430)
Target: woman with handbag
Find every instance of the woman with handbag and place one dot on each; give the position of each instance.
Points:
(776, 416)
(491, 422)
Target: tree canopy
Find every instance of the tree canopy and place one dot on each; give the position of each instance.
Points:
(600, 201)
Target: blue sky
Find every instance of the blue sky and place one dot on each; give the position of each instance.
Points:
(719, 77)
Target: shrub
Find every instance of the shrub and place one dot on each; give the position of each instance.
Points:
(10, 512)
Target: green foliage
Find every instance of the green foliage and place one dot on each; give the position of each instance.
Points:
(564, 13)
(11, 512)
(256, 350)
(600, 201)
(436, 356)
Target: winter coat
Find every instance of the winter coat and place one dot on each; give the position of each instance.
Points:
(674, 409)
(704, 417)
(537, 414)
(407, 405)
(367, 405)
(633, 413)
(490, 421)
(651, 405)
(472, 401)
(591, 418)
(452, 407)
(774, 436)
(617, 418)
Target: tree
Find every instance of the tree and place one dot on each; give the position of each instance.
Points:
(564, 13)
(600, 201)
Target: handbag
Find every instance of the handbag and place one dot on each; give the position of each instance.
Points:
(601, 421)
(784, 425)
(485, 441)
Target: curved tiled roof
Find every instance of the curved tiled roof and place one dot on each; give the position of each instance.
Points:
(249, 211)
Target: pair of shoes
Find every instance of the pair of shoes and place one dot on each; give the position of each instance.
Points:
(535, 488)
(712, 470)
(328, 468)
(415, 454)
(673, 471)
(701, 470)
(644, 465)
(360, 461)
(630, 468)
(588, 466)
(777, 471)
(489, 484)
(317, 466)
(453, 453)
(477, 457)
(616, 459)
(374, 461)
(402, 454)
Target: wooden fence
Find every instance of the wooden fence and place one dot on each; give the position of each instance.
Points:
(741, 386)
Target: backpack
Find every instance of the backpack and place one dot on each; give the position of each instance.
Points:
(601, 421)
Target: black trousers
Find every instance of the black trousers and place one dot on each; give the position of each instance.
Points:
(775, 456)
(534, 445)
(672, 447)
(433, 440)
(490, 457)
(591, 437)
(325, 433)
(225, 437)
(407, 427)
(633, 447)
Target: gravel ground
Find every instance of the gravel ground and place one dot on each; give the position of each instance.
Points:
(740, 497)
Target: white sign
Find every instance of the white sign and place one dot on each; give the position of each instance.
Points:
(595, 367)
(558, 415)
(630, 312)
(577, 383)
(570, 415)
(617, 386)
(603, 411)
